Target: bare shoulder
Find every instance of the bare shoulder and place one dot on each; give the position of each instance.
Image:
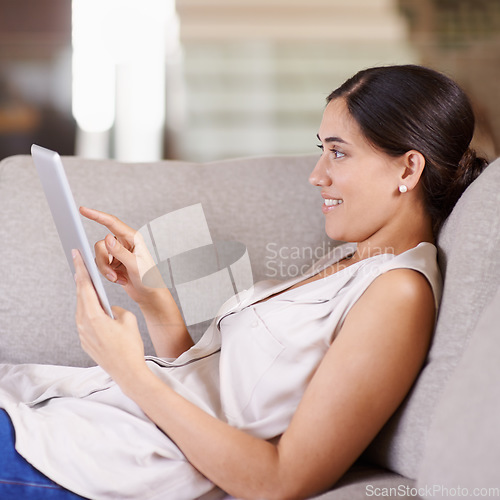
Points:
(397, 308)
(409, 283)
(397, 297)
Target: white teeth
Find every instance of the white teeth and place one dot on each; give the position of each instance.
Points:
(330, 202)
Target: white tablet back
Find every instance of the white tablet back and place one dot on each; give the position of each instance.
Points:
(66, 215)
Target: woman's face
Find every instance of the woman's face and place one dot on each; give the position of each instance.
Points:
(358, 183)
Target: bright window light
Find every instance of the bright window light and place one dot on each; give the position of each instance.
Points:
(93, 64)
(119, 53)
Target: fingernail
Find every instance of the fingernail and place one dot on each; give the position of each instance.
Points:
(74, 253)
(111, 277)
(112, 243)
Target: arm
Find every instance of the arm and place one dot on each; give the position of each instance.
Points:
(363, 378)
(165, 324)
(123, 258)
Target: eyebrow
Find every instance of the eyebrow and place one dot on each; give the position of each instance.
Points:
(332, 139)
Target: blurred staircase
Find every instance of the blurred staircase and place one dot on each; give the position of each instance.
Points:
(256, 72)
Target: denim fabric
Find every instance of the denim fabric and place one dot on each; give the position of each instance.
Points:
(18, 478)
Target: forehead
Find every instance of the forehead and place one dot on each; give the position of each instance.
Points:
(338, 122)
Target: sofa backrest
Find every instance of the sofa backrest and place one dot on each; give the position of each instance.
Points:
(468, 246)
(265, 203)
(463, 444)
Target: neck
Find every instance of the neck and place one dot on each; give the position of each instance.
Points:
(402, 235)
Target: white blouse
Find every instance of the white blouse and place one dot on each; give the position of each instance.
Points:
(250, 369)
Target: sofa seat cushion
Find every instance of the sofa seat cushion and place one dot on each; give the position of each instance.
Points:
(360, 482)
(367, 481)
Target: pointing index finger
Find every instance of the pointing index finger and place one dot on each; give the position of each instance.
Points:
(115, 225)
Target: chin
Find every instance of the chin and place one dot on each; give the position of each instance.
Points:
(337, 235)
(343, 234)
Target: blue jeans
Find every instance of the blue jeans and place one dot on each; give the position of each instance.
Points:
(18, 478)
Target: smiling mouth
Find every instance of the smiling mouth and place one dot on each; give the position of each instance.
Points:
(332, 202)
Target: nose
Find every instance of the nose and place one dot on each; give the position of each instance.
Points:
(319, 176)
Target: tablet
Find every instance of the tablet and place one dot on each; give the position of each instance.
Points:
(66, 216)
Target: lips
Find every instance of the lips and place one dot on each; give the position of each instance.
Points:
(330, 202)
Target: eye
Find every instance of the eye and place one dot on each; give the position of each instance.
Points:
(337, 154)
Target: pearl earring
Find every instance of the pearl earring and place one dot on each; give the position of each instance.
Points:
(403, 188)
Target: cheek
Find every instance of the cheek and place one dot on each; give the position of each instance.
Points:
(364, 211)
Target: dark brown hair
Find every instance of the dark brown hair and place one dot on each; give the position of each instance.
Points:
(400, 108)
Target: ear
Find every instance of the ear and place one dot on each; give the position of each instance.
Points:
(413, 166)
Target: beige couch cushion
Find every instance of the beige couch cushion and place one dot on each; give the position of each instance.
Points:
(469, 256)
(265, 203)
(463, 445)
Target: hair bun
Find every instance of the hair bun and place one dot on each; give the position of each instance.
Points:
(469, 168)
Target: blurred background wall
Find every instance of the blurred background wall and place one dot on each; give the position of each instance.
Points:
(203, 80)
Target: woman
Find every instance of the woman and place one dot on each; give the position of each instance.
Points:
(291, 382)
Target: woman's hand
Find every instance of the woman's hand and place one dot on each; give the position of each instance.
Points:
(114, 344)
(123, 258)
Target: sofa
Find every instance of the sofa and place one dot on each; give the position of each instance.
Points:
(443, 441)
